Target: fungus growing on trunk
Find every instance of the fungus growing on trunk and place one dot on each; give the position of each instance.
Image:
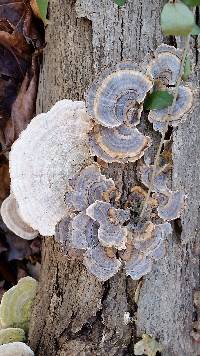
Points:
(166, 65)
(111, 232)
(16, 304)
(83, 232)
(100, 265)
(179, 113)
(121, 144)
(113, 96)
(170, 203)
(147, 245)
(50, 151)
(86, 187)
(11, 217)
(11, 335)
(172, 208)
(15, 349)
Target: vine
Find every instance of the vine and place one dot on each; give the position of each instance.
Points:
(176, 19)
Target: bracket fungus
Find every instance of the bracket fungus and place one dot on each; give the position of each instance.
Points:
(121, 144)
(50, 151)
(170, 203)
(146, 246)
(111, 232)
(179, 113)
(16, 304)
(86, 187)
(11, 335)
(173, 205)
(166, 65)
(100, 265)
(83, 232)
(11, 217)
(112, 97)
(15, 349)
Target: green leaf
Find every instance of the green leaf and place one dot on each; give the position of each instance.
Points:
(159, 99)
(187, 69)
(177, 19)
(191, 2)
(43, 6)
(120, 2)
(195, 30)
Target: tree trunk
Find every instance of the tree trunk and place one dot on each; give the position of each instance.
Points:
(74, 313)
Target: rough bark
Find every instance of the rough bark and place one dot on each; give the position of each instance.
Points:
(74, 313)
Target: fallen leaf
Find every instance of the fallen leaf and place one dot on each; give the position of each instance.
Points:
(23, 109)
(5, 181)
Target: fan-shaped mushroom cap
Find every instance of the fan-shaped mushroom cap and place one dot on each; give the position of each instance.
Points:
(149, 238)
(160, 181)
(12, 219)
(110, 233)
(163, 48)
(122, 144)
(11, 335)
(52, 149)
(138, 266)
(84, 232)
(113, 96)
(174, 206)
(166, 65)
(148, 245)
(16, 304)
(100, 265)
(15, 349)
(89, 185)
(181, 108)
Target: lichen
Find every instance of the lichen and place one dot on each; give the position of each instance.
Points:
(147, 346)
(16, 304)
(11, 335)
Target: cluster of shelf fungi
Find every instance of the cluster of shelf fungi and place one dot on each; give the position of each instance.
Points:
(58, 189)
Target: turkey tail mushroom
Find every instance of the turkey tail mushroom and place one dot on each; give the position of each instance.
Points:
(122, 144)
(115, 94)
(147, 247)
(179, 113)
(166, 65)
(86, 187)
(100, 265)
(111, 232)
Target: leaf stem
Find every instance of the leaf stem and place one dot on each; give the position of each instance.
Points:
(167, 120)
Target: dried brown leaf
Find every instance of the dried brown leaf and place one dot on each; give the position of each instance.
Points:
(23, 108)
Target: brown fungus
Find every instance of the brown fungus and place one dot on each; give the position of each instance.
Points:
(122, 144)
(166, 65)
(89, 185)
(11, 217)
(112, 98)
(100, 265)
(179, 113)
(111, 233)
